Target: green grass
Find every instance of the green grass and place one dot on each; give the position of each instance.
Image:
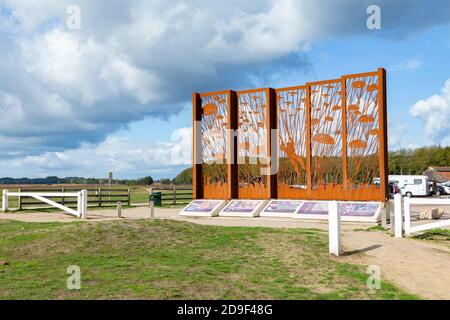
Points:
(441, 235)
(164, 259)
(373, 228)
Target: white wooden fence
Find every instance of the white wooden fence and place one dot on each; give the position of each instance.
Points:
(403, 217)
(82, 197)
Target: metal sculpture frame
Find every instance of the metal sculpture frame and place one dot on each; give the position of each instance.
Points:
(330, 142)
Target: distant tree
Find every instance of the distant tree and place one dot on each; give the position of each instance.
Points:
(415, 161)
(164, 181)
(146, 181)
(184, 177)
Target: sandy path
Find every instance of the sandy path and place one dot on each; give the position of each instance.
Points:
(419, 267)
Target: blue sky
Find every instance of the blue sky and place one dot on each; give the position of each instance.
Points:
(115, 94)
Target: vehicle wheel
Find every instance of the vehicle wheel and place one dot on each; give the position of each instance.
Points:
(408, 194)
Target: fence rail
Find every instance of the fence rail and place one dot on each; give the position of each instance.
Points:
(174, 195)
(407, 215)
(45, 197)
(403, 215)
(96, 196)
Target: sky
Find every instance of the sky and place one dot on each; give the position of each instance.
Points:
(88, 87)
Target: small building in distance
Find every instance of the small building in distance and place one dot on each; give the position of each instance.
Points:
(438, 174)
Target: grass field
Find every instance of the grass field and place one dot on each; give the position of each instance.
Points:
(161, 259)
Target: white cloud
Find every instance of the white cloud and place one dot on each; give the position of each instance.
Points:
(407, 65)
(123, 156)
(11, 110)
(138, 59)
(435, 112)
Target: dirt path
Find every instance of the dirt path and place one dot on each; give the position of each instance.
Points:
(419, 267)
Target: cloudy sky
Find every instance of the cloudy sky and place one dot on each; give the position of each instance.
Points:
(115, 93)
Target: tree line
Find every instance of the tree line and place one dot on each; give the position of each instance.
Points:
(183, 178)
(416, 161)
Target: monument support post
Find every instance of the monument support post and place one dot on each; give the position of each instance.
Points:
(197, 189)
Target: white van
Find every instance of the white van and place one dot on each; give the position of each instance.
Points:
(411, 185)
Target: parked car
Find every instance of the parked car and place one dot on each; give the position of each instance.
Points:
(446, 187)
(440, 190)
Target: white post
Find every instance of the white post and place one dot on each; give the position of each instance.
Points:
(398, 220)
(5, 200)
(84, 203)
(334, 228)
(119, 209)
(79, 203)
(407, 215)
(152, 209)
(151, 204)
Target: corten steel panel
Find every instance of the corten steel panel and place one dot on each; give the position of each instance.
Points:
(253, 144)
(292, 126)
(332, 141)
(215, 145)
(365, 136)
(326, 140)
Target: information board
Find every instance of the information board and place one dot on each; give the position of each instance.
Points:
(205, 208)
(281, 208)
(349, 211)
(242, 208)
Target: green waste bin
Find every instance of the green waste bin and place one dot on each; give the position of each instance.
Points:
(156, 198)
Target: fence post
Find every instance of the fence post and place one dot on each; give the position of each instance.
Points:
(100, 196)
(384, 213)
(5, 200)
(407, 215)
(398, 215)
(20, 199)
(62, 198)
(151, 204)
(174, 195)
(129, 197)
(119, 209)
(79, 204)
(84, 203)
(334, 228)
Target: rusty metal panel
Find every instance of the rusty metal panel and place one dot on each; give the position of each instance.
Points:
(215, 145)
(332, 141)
(326, 139)
(292, 126)
(253, 144)
(363, 136)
